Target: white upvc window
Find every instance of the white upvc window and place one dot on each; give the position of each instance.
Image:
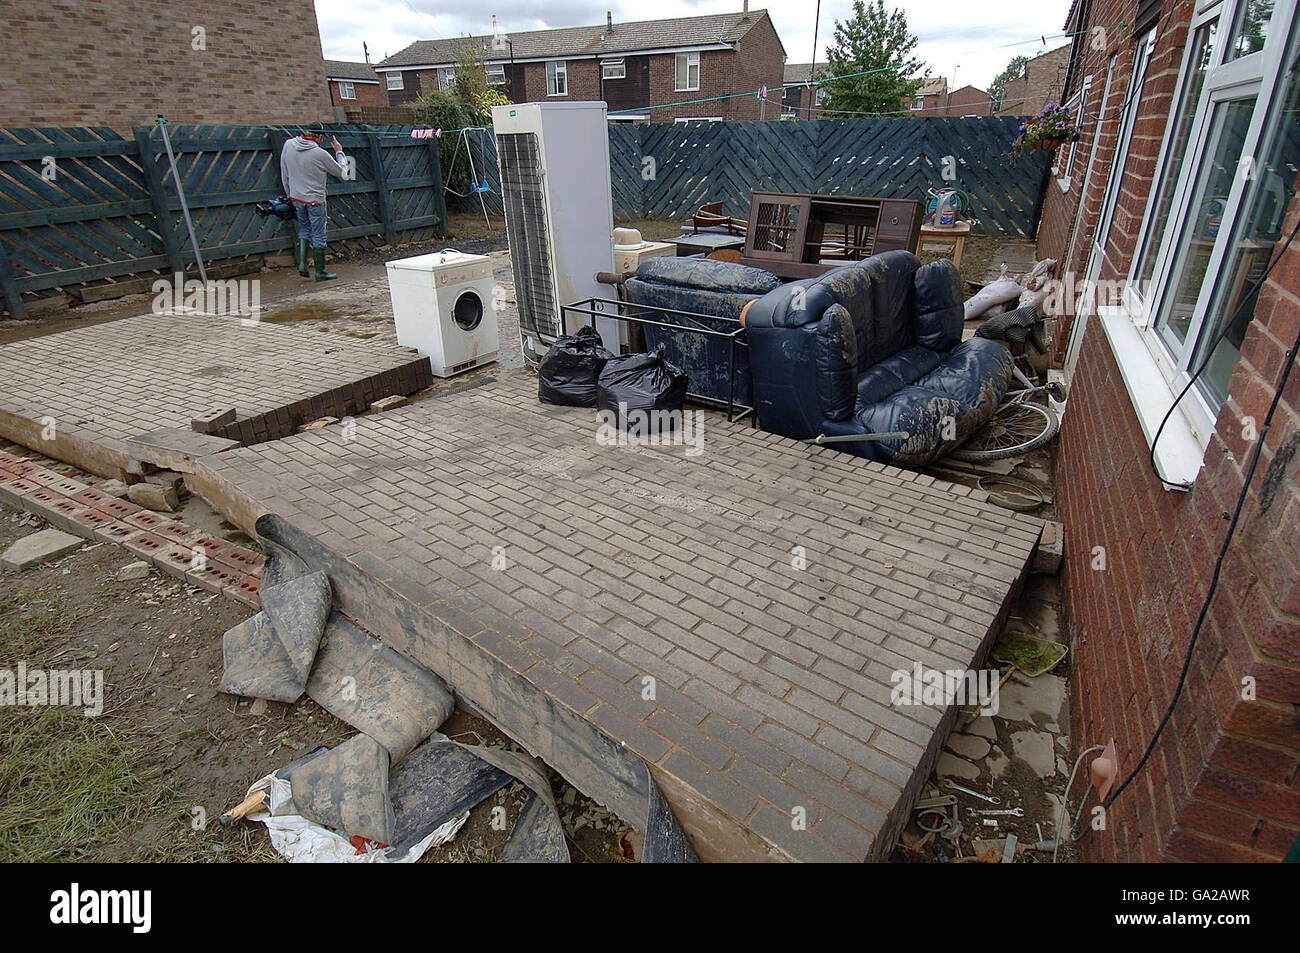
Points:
(347, 90)
(1078, 104)
(394, 81)
(918, 103)
(1226, 176)
(496, 75)
(557, 78)
(446, 77)
(686, 72)
(613, 69)
(699, 119)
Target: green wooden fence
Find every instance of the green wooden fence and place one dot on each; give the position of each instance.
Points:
(667, 170)
(87, 206)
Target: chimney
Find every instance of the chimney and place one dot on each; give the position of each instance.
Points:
(609, 21)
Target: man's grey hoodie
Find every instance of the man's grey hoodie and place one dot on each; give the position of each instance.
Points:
(303, 166)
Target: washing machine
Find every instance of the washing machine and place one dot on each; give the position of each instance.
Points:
(443, 306)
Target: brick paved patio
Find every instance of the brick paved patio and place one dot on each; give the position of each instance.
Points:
(105, 383)
(771, 683)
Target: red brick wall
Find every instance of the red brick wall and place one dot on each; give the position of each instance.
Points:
(117, 63)
(1224, 781)
(1040, 84)
(367, 94)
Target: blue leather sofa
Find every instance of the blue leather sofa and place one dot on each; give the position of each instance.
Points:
(874, 347)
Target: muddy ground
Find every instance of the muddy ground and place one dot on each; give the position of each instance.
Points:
(148, 778)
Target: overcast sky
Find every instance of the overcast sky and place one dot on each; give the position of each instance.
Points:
(977, 37)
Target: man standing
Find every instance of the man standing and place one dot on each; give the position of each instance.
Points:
(303, 167)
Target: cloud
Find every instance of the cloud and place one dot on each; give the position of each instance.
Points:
(979, 38)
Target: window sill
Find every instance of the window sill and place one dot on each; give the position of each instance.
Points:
(1063, 184)
(1179, 453)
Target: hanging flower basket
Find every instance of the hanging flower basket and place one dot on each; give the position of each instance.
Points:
(1052, 127)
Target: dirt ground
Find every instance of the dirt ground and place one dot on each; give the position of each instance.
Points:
(147, 779)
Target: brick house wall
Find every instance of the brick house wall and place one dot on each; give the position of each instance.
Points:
(967, 101)
(1041, 83)
(1224, 781)
(367, 94)
(110, 63)
(758, 59)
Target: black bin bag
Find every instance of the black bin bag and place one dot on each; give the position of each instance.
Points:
(570, 369)
(635, 385)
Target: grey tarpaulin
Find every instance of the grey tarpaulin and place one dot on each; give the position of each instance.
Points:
(375, 690)
(665, 842)
(347, 789)
(441, 778)
(270, 655)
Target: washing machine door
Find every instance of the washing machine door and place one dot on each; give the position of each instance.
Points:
(467, 312)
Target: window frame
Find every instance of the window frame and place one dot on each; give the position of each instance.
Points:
(1065, 158)
(557, 74)
(692, 59)
(347, 89)
(1259, 75)
(619, 63)
(493, 71)
(446, 77)
(394, 87)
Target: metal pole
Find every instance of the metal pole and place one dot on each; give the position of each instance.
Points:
(812, 69)
(185, 208)
(473, 176)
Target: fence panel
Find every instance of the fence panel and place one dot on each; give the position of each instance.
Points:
(87, 206)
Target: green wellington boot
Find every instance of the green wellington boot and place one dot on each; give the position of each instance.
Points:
(318, 256)
(303, 245)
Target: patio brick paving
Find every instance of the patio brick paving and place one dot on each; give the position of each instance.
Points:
(105, 383)
(622, 563)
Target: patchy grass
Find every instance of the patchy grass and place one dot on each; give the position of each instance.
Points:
(67, 785)
(29, 618)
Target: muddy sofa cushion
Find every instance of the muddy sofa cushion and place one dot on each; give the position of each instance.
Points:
(939, 311)
(706, 274)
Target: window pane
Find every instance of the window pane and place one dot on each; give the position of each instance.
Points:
(1251, 29)
(1269, 193)
(1219, 167)
(1158, 214)
(680, 79)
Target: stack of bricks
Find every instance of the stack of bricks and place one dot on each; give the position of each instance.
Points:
(189, 554)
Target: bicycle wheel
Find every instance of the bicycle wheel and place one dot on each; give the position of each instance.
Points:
(1016, 428)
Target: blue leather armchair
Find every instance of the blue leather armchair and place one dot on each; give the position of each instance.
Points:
(874, 347)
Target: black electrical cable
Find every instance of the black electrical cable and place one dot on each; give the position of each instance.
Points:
(1248, 299)
(1288, 364)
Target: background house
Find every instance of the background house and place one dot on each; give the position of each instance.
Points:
(631, 66)
(114, 63)
(934, 97)
(802, 101)
(354, 84)
(1172, 104)
(1040, 83)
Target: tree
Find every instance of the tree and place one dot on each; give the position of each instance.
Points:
(873, 38)
(998, 88)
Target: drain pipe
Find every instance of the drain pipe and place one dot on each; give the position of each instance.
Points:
(185, 208)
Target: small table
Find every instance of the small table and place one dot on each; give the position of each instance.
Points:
(953, 234)
(705, 242)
